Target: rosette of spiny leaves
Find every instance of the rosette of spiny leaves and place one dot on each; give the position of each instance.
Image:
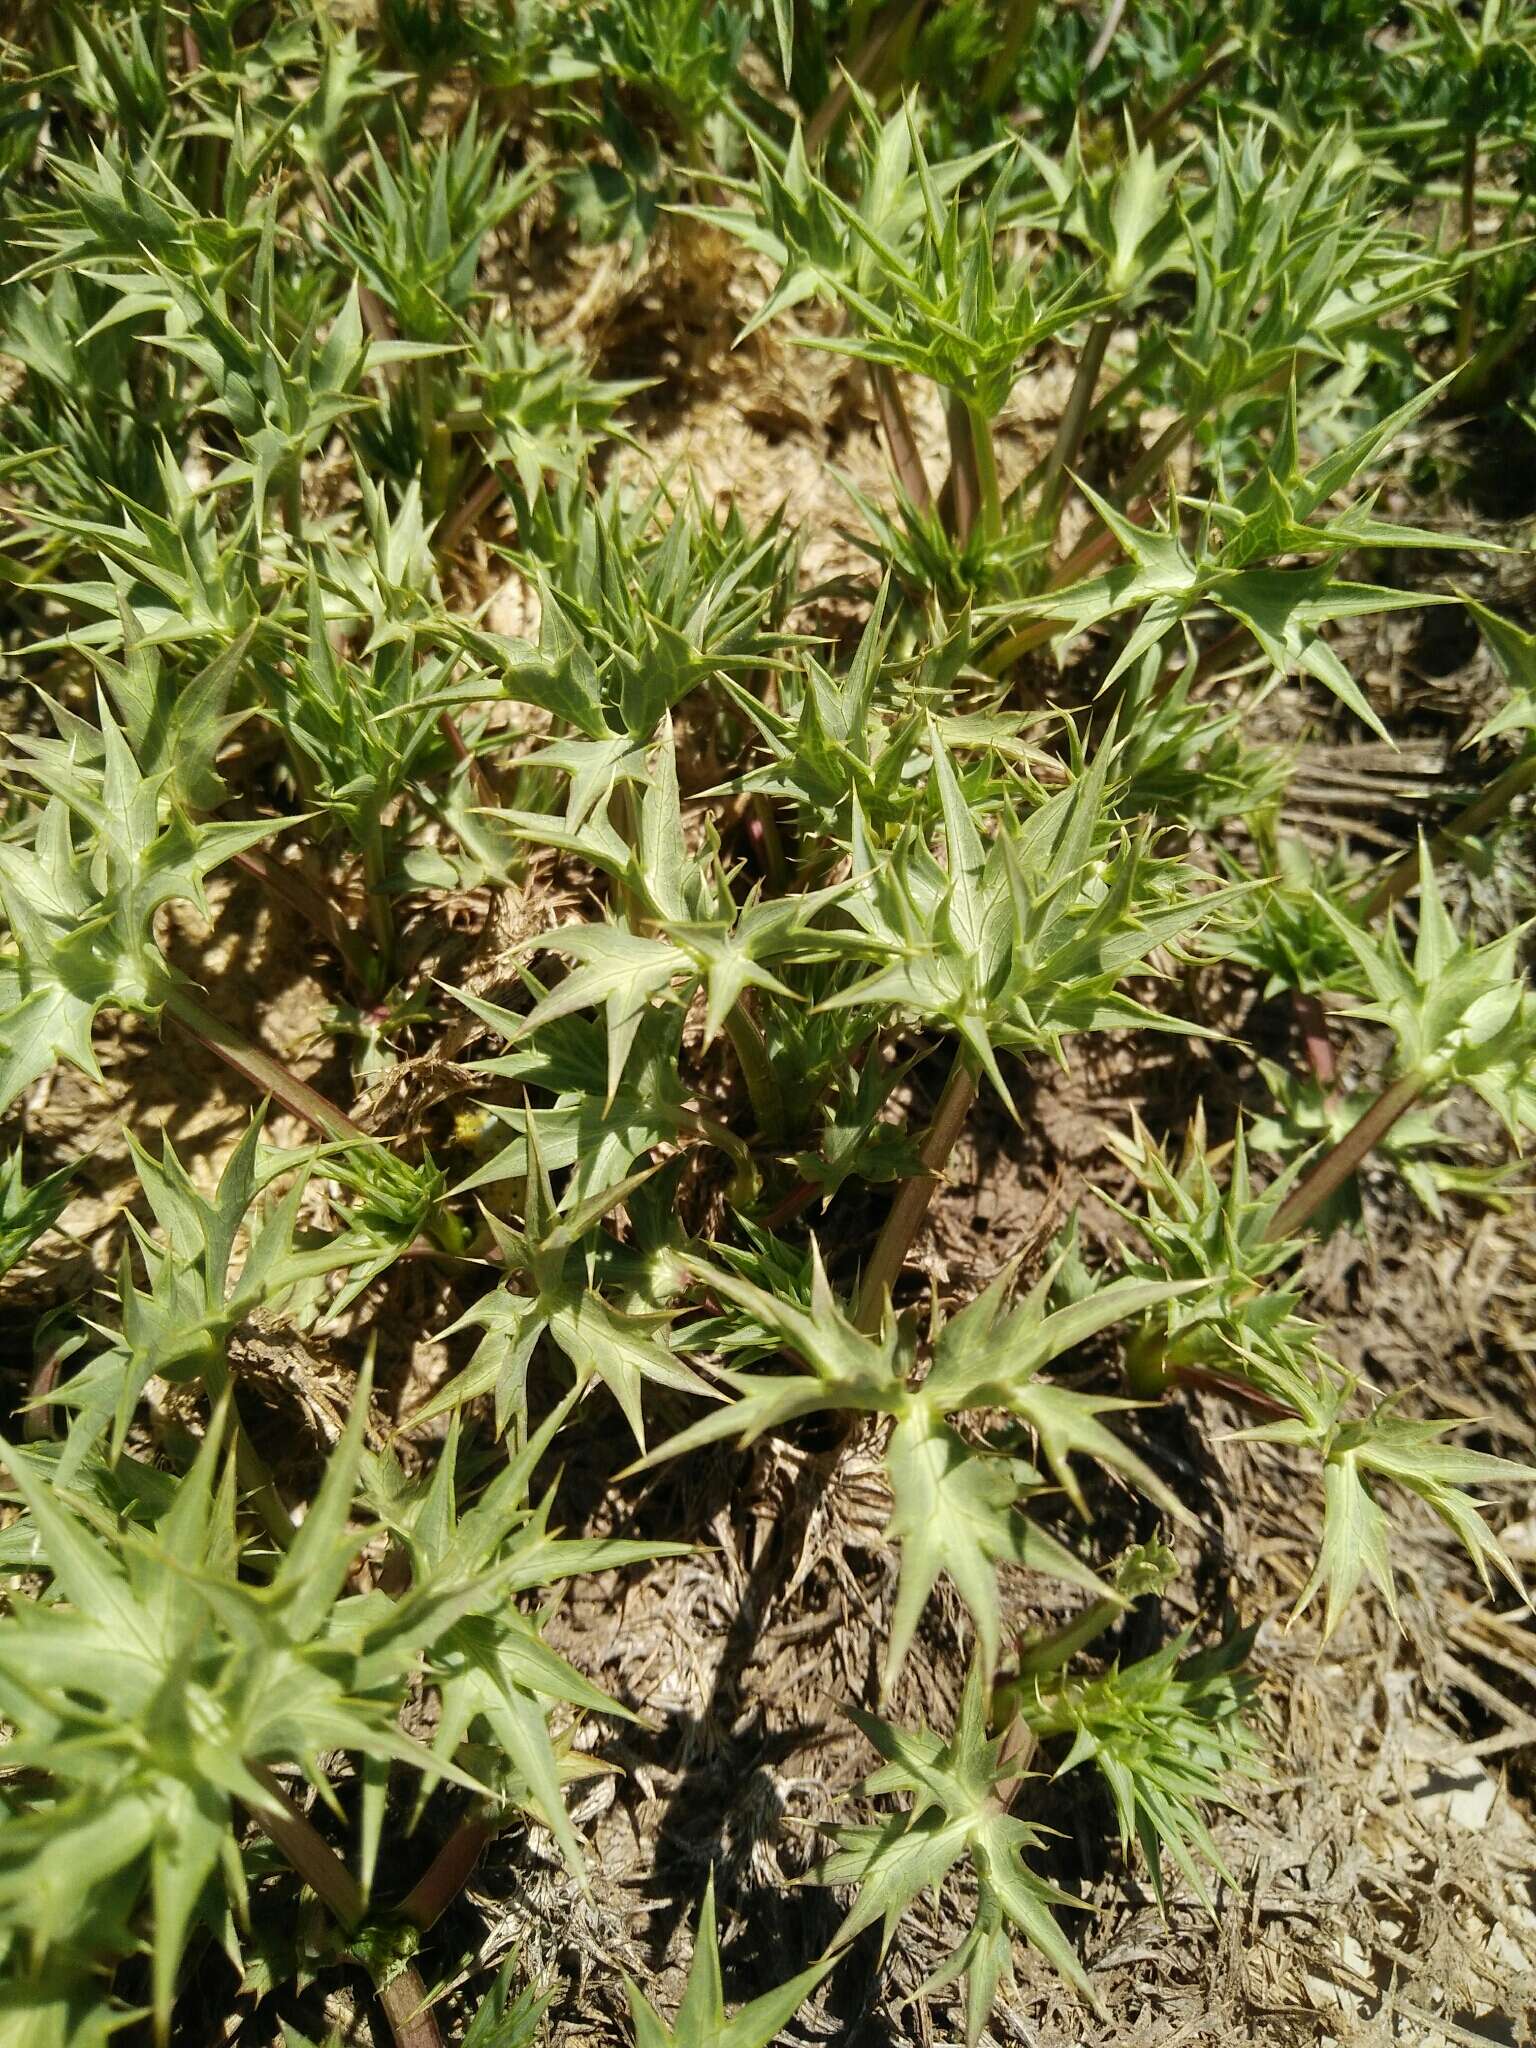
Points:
(1186, 760)
(641, 603)
(363, 730)
(857, 736)
(956, 1812)
(824, 245)
(1212, 1231)
(1018, 943)
(280, 397)
(957, 1499)
(184, 579)
(547, 1291)
(242, 92)
(1119, 208)
(681, 932)
(212, 1262)
(1363, 1456)
(1283, 933)
(1289, 259)
(681, 57)
(85, 430)
(178, 1328)
(111, 205)
(1460, 1014)
(81, 900)
(596, 1131)
(939, 302)
(1280, 514)
(941, 565)
(149, 1695)
(175, 723)
(412, 229)
(496, 1679)
(536, 405)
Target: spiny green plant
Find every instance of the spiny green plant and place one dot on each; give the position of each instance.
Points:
(1166, 1734)
(199, 1682)
(1461, 1016)
(957, 1794)
(701, 2020)
(956, 1501)
(549, 1259)
(287, 393)
(1214, 1231)
(28, 1209)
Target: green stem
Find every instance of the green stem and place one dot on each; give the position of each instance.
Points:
(1019, 28)
(1150, 357)
(1151, 460)
(1051, 1652)
(479, 781)
(1402, 877)
(381, 924)
(469, 508)
(1466, 311)
(724, 1139)
(626, 822)
(265, 1074)
(293, 503)
(1340, 1162)
(763, 1088)
(250, 1467)
(913, 1197)
(765, 829)
(964, 494)
(1068, 443)
(986, 471)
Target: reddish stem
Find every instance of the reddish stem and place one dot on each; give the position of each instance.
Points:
(866, 63)
(285, 882)
(401, 1992)
(905, 1215)
(1340, 1162)
(896, 425)
(1312, 1019)
(1400, 879)
(267, 1075)
(450, 1870)
(479, 781)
